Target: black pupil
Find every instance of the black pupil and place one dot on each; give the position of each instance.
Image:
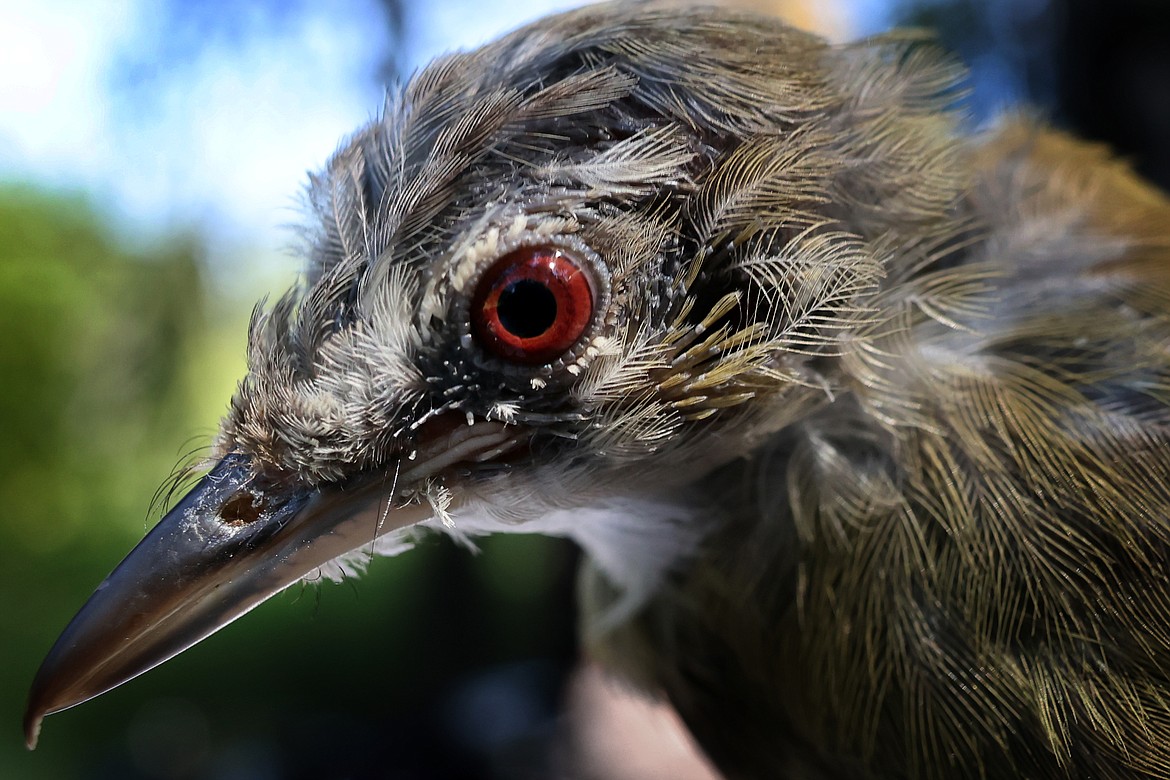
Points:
(526, 308)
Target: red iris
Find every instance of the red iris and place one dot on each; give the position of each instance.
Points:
(532, 305)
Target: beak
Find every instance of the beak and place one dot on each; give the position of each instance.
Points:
(227, 546)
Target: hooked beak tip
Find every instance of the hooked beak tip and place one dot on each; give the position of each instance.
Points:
(32, 728)
(50, 692)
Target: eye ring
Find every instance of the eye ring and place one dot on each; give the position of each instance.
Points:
(532, 305)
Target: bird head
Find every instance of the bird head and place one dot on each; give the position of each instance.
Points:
(576, 268)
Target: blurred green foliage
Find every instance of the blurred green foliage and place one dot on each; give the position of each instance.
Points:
(110, 361)
(92, 403)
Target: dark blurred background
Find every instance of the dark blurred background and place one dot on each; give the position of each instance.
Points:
(144, 174)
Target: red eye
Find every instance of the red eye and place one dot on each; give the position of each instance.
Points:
(532, 305)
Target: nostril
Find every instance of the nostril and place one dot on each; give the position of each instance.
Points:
(243, 508)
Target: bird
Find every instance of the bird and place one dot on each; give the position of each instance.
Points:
(861, 416)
